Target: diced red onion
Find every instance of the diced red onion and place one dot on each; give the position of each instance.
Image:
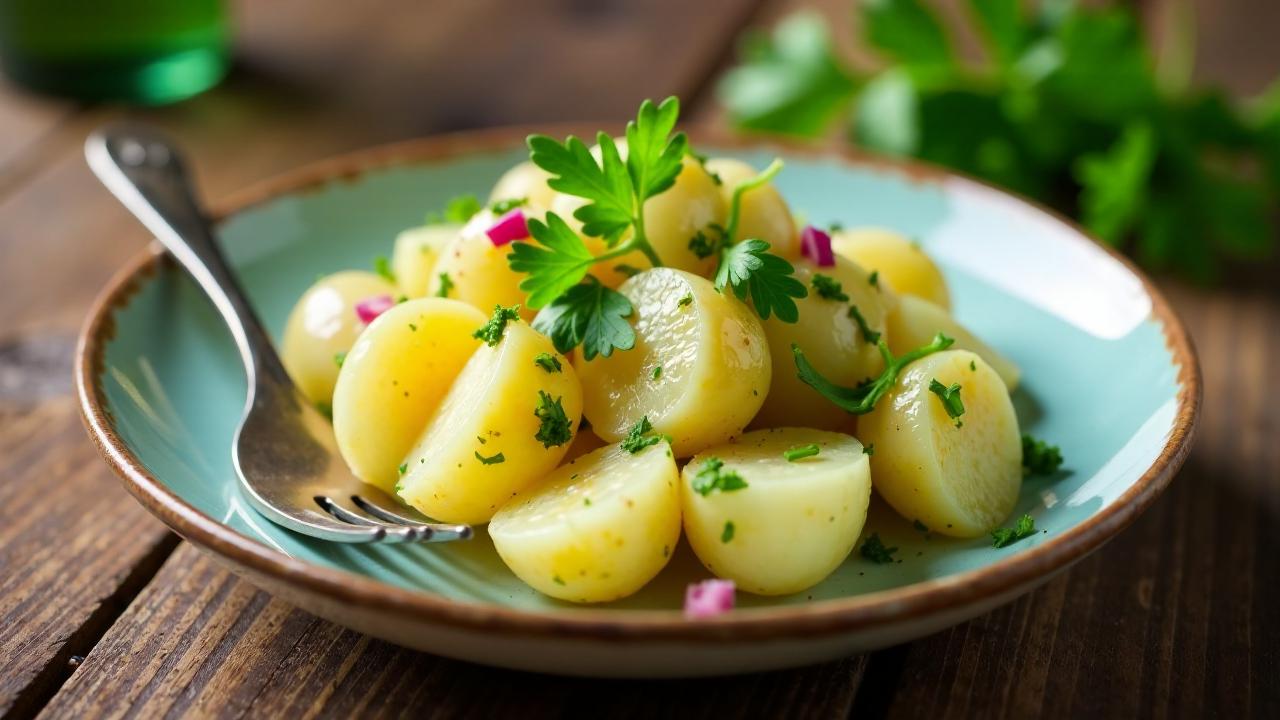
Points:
(815, 244)
(371, 307)
(708, 598)
(509, 227)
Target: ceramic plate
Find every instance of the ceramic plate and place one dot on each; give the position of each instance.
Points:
(1109, 375)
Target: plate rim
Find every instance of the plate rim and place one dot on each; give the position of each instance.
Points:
(867, 611)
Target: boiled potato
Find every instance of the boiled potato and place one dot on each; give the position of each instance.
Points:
(901, 262)
(961, 476)
(394, 379)
(763, 213)
(323, 326)
(584, 441)
(596, 529)
(671, 218)
(831, 339)
(478, 270)
(713, 359)
(415, 254)
(527, 181)
(913, 322)
(486, 440)
(793, 523)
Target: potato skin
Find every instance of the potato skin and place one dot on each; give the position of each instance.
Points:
(394, 378)
(596, 529)
(479, 270)
(764, 213)
(527, 181)
(831, 340)
(906, 267)
(490, 409)
(913, 322)
(324, 324)
(714, 358)
(959, 481)
(415, 254)
(794, 523)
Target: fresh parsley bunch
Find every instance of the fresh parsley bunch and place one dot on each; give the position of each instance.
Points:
(1068, 107)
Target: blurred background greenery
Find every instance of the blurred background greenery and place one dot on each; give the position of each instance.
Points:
(1066, 103)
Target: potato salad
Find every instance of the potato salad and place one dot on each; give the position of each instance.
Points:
(629, 343)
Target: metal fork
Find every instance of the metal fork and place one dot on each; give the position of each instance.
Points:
(284, 450)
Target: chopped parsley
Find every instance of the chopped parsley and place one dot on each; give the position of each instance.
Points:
(950, 397)
(686, 300)
(874, 279)
(657, 372)
(863, 398)
(404, 468)
(874, 550)
(726, 535)
(869, 449)
(491, 332)
(557, 580)
(712, 476)
(1039, 457)
(502, 207)
(446, 285)
(704, 245)
(547, 362)
(702, 160)
(638, 437)
(555, 429)
(801, 452)
(491, 460)
(382, 266)
(458, 210)
(973, 366)
(339, 358)
(1024, 528)
(413, 327)
(828, 288)
(325, 409)
(868, 334)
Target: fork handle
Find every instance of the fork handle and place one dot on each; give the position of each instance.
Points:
(147, 173)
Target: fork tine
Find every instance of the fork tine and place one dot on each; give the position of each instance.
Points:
(436, 532)
(392, 532)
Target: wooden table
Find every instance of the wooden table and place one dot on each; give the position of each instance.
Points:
(104, 612)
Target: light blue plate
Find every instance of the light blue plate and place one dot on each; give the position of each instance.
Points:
(1108, 375)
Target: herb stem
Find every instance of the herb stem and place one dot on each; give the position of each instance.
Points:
(735, 205)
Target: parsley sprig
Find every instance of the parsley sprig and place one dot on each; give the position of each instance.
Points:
(712, 477)
(1039, 457)
(950, 397)
(862, 399)
(554, 428)
(491, 331)
(641, 436)
(1024, 528)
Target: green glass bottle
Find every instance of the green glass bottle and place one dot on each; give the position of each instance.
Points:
(143, 51)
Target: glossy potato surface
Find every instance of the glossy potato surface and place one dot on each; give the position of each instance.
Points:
(764, 213)
(914, 321)
(907, 268)
(959, 481)
(527, 181)
(714, 359)
(415, 253)
(793, 524)
(597, 529)
(478, 270)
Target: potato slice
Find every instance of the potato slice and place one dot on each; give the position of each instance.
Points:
(913, 322)
(960, 481)
(394, 379)
(793, 523)
(763, 214)
(322, 326)
(478, 271)
(901, 262)
(415, 254)
(596, 529)
(699, 369)
(527, 181)
(486, 442)
(831, 339)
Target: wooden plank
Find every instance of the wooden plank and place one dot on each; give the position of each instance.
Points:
(231, 651)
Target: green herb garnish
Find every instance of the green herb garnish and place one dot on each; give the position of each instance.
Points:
(726, 535)
(491, 460)
(656, 374)
(591, 315)
(750, 269)
(950, 397)
(382, 266)
(555, 428)
(457, 211)
(875, 551)
(869, 449)
(828, 288)
(1039, 457)
(446, 285)
(868, 334)
(686, 300)
(547, 362)
(491, 332)
(863, 398)
(339, 358)
(502, 207)
(712, 476)
(703, 245)
(801, 452)
(638, 437)
(874, 279)
(404, 468)
(1025, 527)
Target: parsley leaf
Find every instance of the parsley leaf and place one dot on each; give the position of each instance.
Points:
(1025, 527)
(339, 358)
(559, 261)
(446, 285)
(654, 158)
(801, 452)
(726, 535)
(828, 288)
(382, 267)
(491, 460)
(589, 314)
(638, 437)
(874, 550)
(555, 428)
(1039, 457)
(547, 362)
(750, 269)
(457, 211)
(712, 476)
(607, 185)
(868, 334)
(950, 397)
(863, 398)
(491, 332)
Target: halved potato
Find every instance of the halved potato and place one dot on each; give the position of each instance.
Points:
(495, 432)
(914, 321)
(394, 379)
(596, 529)
(831, 339)
(793, 523)
(763, 214)
(478, 270)
(960, 476)
(322, 326)
(903, 263)
(699, 369)
(415, 254)
(527, 181)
